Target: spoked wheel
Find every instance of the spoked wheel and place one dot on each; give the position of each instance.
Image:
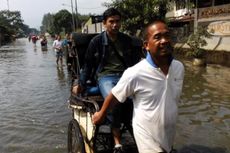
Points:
(75, 138)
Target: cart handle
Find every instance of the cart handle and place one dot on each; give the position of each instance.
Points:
(78, 98)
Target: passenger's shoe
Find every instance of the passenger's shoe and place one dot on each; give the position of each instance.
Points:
(118, 150)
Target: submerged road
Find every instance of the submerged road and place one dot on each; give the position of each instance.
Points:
(33, 95)
(34, 112)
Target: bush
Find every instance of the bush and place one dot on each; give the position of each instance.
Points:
(196, 41)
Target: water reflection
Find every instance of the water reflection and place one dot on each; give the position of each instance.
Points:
(60, 73)
(204, 111)
(35, 48)
(34, 113)
(202, 149)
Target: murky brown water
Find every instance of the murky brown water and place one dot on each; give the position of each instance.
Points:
(33, 95)
(204, 111)
(34, 113)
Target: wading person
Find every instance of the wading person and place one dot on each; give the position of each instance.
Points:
(155, 85)
(57, 45)
(107, 56)
(34, 40)
(44, 43)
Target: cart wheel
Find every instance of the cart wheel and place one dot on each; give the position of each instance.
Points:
(75, 138)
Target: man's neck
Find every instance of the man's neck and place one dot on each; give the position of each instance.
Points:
(163, 63)
(112, 36)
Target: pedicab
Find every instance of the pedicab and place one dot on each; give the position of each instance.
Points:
(83, 135)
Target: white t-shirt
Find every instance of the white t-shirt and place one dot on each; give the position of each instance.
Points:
(57, 44)
(155, 97)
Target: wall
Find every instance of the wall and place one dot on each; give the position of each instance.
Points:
(217, 20)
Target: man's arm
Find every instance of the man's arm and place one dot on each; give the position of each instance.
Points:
(110, 101)
(86, 68)
(54, 43)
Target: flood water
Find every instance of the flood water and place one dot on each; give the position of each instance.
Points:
(33, 94)
(204, 111)
(34, 113)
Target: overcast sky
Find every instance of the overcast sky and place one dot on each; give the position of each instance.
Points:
(32, 11)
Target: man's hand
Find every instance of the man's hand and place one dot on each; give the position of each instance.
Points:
(77, 89)
(97, 118)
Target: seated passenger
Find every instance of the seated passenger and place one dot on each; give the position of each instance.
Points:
(107, 56)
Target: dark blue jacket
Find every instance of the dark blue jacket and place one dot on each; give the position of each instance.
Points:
(97, 53)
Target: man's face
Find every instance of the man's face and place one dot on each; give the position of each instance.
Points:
(112, 24)
(158, 43)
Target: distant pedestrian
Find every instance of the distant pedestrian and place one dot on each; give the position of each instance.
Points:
(34, 39)
(58, 48)
(44, 43)
(29, 38)
(67, 48)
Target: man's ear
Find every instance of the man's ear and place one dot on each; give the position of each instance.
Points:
(104, 22)
(145, 44)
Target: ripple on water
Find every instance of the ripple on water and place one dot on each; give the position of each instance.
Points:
(204, 120)
(34, 113)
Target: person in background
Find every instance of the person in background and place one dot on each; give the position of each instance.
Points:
(72, 52)
(58, 48)
(66, 40)
(107, 56)
(44, 43)
(34, 39)
(155, 85)
(67, 49)
(29, 37)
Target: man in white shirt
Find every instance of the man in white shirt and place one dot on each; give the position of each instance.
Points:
(155, 85)
(57, 45)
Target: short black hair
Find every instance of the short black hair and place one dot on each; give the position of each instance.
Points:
(145, 32)
(110, 12)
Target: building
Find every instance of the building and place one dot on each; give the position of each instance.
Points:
(93, 25)
(186, 15)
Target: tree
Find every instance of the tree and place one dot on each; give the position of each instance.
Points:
(56, 23)
(196, 41)
(63, 21)
(11, 24)
(25, 28)
(81, 19)
(47, 24)
(136, 14)
(11, 20)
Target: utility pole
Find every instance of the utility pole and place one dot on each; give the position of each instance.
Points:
(8, 6)
(73, 16)
(76, 14)
(196, 17)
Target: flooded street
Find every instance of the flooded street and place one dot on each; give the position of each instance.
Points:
(34, 113)
(33, 92)
(204, 111)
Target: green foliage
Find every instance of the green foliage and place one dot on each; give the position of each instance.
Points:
(196, 41)
(11, 25)
(81, 19)
(11, 21)
(62, 20)
(136, 14)
(47, 23)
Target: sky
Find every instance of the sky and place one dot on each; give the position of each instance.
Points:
(32, 11)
